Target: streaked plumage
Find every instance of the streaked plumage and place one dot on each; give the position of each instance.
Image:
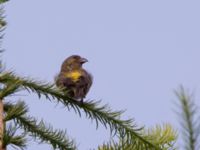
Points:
(75, 80)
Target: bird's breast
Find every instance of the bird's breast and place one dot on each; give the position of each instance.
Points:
(74, 75)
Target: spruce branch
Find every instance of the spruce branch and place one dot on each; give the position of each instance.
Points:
(3, 1)
(31, 85)
(56, 138)
(8, 89)
(16, 141)
(100, 114)
(189, 119)
(164, 136)
(13, 111)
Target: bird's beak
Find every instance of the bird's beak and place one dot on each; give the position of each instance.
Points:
(83, 60)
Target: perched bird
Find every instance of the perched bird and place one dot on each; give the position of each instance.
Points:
(75, 80)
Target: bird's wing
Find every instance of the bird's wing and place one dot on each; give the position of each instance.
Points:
(85, 82)
(90, 80)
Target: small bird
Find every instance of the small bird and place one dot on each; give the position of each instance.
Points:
(75, 80)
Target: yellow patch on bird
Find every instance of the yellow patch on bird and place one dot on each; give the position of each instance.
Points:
(74, 75)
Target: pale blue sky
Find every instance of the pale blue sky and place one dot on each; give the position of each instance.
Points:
(138, 52)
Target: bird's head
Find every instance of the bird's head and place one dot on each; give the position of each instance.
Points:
(74, 62)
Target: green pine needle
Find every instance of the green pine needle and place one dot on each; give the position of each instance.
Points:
(17, 141)
(190, 119)
(101, 114)
(40, 131)
(164, 136)
(8, 89)
(14, 111)
(3, 1)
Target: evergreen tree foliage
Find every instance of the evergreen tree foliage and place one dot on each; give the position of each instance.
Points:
(190, 117)
(15, 117)
(164, 136)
